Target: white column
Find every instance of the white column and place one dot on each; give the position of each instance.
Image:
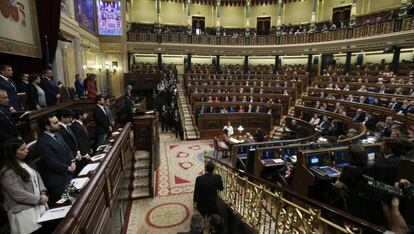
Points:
(78, 56)
(57, 65)
(279, 13)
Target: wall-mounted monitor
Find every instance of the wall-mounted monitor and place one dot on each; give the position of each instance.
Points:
(109, 18)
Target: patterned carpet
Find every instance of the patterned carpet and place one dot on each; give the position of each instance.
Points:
(171, 210)
(182, 163)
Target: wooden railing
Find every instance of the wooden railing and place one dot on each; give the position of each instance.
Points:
(94, 209)
(269, 208)
(339, 34)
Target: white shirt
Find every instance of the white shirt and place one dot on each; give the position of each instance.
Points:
(229, 130)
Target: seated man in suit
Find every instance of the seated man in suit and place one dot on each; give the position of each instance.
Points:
(57, 163)
(102, 121)
(385, 169)
(8, 129)
(359, 116)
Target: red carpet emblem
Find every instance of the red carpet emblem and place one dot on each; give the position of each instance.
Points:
(173, 146)
(179, 180)
(182, 155)
(195, 147)
(185, 165)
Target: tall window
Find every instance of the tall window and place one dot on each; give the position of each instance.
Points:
(341, 16)
(198, 25)
(263, 25)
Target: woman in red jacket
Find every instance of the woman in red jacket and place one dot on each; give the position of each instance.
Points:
(90, 84)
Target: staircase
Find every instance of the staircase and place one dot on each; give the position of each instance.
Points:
(190, 131)
(137, 179)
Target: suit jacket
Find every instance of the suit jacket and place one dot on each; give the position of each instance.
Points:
(396, 106)
(22, 86)
(80, 89)
(324, 125)
(7, 128)
(11, 90)
(205, 192)
(55, 158)
(51, 91)
(81, 134)
(32, 97)
(102, 121)
(385, 169)
(69, 138)
(18, 194)
(359, 118)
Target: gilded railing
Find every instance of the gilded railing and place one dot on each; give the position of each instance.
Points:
(339, 34)
(267, 211)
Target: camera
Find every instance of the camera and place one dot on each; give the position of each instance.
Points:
(383, 192)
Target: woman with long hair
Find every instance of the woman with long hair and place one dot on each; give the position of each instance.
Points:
(22, 188)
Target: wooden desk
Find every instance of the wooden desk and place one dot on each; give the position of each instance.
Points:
(211, 125)
(99, 208)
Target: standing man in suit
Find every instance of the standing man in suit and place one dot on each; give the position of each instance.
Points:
(50, 88)
(57, 162)
(81, 133)
(8, 129)
(205, 191)
(102, 121)
(7, 84)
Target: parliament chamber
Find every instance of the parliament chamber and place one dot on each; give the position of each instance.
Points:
(207, 116)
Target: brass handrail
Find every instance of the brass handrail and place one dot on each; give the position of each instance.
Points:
(274, 212)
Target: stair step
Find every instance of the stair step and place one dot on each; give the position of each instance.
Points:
(141, 173)
(142, 164)
(142, 182)
(140, 154)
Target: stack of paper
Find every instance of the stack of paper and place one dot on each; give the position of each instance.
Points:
(79, 183)
(56, 213)
(88, 168)
(98, 157)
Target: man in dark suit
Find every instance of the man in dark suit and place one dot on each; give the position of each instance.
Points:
(359, 116)
(23, 84)
(50, 88)
(102, 121)
(324, 125)
(57, 164)
(8, 129)
(81, 133)
(385, 169)
(6, 84)
(205, 191)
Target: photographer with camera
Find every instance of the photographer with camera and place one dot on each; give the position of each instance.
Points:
(396, 222)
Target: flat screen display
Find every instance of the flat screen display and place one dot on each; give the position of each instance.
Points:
(109, 18)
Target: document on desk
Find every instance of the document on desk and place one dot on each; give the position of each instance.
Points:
(98, 157)
(88, 168)
(55, 213)
(79, 183)
(278, 160)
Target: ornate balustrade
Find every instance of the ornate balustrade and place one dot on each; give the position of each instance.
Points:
(269, 208)
(339, 34)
